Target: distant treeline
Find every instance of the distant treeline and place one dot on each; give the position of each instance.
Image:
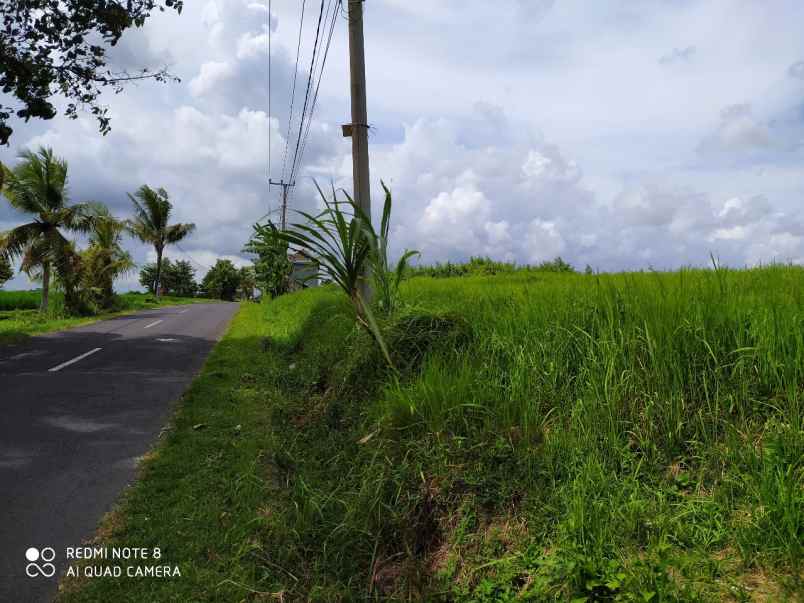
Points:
(485, 266)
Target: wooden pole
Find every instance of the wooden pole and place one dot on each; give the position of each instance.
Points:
(359, 125)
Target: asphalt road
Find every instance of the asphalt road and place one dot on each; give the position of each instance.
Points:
(77, 410)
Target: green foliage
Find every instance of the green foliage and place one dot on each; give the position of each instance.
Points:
(271, 266)
(59, 49)
(178, 278)
(6, 270)
(151, 225)
(556, 265)
(222, 281)
(148, 275)
(38, 186)
(546, 437)
(480, 266)
(386, 279)
(341, 240)
(20, 300)
(248, 282)
(476, 266)
(105, 259)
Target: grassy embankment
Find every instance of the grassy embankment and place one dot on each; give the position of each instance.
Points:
(632, 437)
(19, 316)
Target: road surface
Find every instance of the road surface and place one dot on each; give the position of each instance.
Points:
(77, 410)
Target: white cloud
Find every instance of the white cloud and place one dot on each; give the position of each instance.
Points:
(543, 241)
(678, 55)
(212, 74)
(556, 132)
(549, 165)
(796, 70)
(738, 130)
(252, 45)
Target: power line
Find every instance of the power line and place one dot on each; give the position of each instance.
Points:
(293, 91)
(307, 93)
(269, 89)
(333, 22)
(192, 259)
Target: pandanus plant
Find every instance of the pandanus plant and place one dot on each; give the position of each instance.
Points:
(346, 248)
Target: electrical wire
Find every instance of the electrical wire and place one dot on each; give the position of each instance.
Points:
(269, 90)
(333, 22)
(307, 93)
(293, 90)
(192, 259)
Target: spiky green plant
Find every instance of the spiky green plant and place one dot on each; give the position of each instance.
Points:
(386, 279)
(341, 241)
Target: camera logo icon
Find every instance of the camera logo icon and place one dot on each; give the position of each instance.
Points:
(39, 562)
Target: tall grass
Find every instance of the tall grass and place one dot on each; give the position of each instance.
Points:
(546, 437)
(632, 423)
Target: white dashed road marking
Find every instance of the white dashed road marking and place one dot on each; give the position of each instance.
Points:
(153, 324)
(73, 361)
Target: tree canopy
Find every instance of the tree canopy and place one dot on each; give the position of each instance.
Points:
(37, 187)
(222, 281)
(50, 47)
(6, 270)
(271, 266)
(150, 224)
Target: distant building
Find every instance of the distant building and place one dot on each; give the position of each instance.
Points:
(304, 273)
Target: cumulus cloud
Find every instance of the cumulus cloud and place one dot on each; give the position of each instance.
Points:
(557, 133)
(796, 70)
(212, 74)
(543, 241)
(738, 131)
(549, 166)
(678, 55)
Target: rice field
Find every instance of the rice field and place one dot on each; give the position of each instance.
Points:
(547, 437)
(19, 300)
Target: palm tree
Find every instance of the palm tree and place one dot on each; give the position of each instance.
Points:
(105, 259)
(38, 186)
(150, 223)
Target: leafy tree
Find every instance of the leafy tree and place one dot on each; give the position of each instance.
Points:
(182, 279)
(271, 266)
(178, 278)
(248, 282)
(556, 265)
(6, 271)
(150, 224)
(222, 281)
(50, 48)
(148, 275)
(105, 259)
(38, 186)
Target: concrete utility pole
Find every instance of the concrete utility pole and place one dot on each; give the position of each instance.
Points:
(358, 129)
(284, 186)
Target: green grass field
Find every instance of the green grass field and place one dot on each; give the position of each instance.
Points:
(20, 317)
(548, 437)
(19, 300)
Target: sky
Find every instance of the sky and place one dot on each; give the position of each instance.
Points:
(622, 135)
